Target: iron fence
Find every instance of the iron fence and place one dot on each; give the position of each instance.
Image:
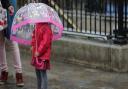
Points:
(93, 17)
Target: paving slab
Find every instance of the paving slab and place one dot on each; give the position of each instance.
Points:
(66, 76)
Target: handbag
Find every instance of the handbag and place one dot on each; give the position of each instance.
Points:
(39, 63)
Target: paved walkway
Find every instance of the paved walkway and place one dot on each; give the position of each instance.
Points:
(67, 76)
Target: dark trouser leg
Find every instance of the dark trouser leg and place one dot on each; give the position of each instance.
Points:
(38, 74)
(44, 83)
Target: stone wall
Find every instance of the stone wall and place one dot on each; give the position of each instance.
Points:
(90, 54)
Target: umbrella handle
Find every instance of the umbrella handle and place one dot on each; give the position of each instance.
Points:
(39, 64)
(36, 37)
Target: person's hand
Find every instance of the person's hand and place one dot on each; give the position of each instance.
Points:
(36, 54)
(11, 10)
(31, 48)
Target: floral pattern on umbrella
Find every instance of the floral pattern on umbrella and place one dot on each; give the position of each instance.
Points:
(27, 16)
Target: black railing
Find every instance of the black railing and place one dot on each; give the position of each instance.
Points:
(105, 18)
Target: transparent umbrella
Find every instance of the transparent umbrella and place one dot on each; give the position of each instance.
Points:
(26, 17)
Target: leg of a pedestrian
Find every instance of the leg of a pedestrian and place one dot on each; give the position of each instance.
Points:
(38, 75)
(16, 56)
(17, 62)
(44, 83)
(3, 62)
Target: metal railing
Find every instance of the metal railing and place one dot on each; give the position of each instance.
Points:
(97, 18)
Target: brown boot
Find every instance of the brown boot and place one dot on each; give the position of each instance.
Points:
(19, 80)
(3, 77)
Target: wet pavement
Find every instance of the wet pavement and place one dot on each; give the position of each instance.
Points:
(67, 76)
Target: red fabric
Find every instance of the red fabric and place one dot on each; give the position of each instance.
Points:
(43, 36)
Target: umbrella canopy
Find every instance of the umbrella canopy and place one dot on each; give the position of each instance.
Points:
(27, 16)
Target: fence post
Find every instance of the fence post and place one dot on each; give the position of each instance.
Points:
(121, 32)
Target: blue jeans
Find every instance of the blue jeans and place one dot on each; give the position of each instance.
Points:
(42, 82)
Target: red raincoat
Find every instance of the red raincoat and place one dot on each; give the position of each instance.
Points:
(41, 41)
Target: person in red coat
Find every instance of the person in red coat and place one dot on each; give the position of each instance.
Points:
(41, 51)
